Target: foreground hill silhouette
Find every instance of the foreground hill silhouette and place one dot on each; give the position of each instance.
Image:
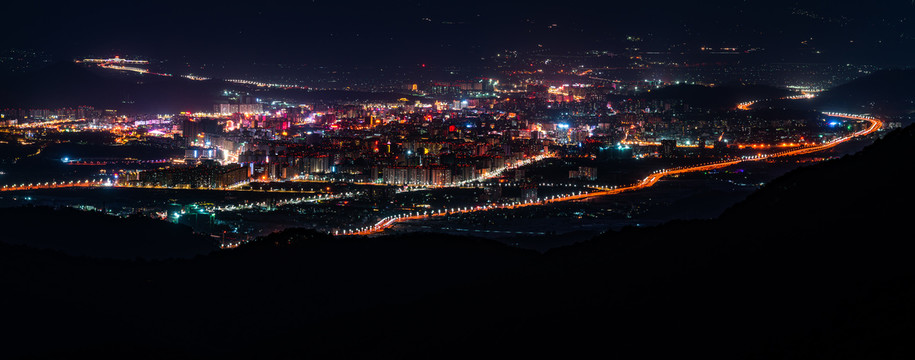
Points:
(93, 234)
(817, 264)
(62, 306)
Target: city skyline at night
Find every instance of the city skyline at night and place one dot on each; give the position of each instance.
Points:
(428, 179)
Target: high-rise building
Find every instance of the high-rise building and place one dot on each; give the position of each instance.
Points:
(668, 148)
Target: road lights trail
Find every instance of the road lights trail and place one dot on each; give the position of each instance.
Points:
(649, 181)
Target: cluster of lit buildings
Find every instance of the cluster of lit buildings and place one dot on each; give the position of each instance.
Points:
(14, 116)
(415, 144)
(460, 131)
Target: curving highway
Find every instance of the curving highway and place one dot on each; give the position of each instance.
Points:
(650, 180)
(55, 185)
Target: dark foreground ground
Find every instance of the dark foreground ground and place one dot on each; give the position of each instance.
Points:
(816, 264)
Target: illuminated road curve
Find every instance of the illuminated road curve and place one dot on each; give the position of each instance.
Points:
(265, 204)
(103, 183)
(55, 185)
(647, 182)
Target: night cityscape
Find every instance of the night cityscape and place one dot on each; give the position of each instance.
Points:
(426, 179)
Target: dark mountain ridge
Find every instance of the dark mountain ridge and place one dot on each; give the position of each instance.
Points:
(66, 84)
(715, 97)
(812, 265)
(886, 93)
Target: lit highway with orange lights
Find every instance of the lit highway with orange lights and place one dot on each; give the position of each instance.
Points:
(55, 185)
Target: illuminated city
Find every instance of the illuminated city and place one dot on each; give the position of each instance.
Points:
(319, 172)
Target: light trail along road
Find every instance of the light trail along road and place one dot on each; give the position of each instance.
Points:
(650, 180)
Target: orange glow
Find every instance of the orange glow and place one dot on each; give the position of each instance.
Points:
(644, 183)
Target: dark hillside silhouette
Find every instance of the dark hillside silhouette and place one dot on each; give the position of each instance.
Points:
(211, 305)
(817, 264)
(93, 234)
(885, 92)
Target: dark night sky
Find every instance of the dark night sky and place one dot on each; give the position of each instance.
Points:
(321, 31)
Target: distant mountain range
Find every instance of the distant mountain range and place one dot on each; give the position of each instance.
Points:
(66, 84)
(887, 93)
(724, 96)
(884, 93)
